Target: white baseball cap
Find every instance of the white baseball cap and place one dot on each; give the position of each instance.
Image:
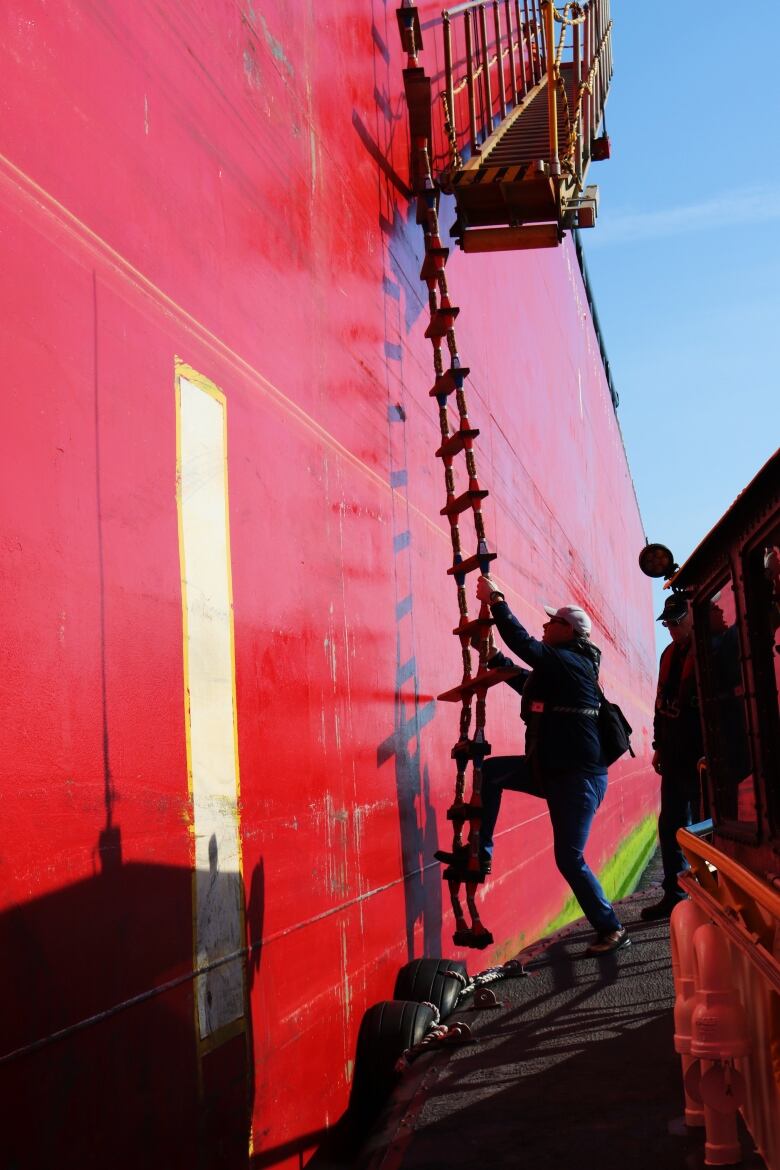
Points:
(576, 617)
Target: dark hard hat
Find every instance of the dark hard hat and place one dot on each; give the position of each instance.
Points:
(674, 610)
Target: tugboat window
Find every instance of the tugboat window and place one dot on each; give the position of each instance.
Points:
(729, 757)
(763, 579)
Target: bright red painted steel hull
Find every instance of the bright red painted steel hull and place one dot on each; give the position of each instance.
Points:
(226, 184)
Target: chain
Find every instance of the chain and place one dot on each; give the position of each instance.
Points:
(456, 162)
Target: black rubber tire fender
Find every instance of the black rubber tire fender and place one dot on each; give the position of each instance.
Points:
(433, 981)
(386, 1030)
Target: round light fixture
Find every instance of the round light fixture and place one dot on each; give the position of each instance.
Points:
(656, 560)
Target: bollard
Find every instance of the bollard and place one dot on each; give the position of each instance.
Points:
(685, 921)
(718, 1037)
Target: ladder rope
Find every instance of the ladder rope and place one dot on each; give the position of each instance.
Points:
(586, 85)
(465, 870)
(563, 17)
(463, 866)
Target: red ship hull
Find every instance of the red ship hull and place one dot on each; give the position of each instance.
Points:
(208, 247)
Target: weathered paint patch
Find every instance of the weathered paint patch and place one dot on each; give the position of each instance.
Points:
(276, 47)
(337, 836)
(209, 679)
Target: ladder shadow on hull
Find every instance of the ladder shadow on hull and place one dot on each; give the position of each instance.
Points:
(417, 821)
(374, 152)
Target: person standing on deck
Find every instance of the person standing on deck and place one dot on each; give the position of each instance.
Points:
(677, 744)
(563, 764)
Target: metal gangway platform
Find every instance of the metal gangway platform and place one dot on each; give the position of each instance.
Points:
(514, 117)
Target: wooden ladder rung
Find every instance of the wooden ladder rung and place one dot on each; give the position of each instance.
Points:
(463, 502)
(471, 751)
(441, 321)
(471, 564)
(480, 682)
(449, 381)
(463, 812)
(457, 442)
(435, 261)
(475, 626)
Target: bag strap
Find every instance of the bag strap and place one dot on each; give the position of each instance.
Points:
(603, 699)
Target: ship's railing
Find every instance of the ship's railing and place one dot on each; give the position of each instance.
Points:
(745, 908)
(498, 55)
(743, 905)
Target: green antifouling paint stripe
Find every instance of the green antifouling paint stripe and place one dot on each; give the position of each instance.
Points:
(619, 876)
(623, 871)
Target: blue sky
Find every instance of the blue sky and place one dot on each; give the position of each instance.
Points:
(685, 258)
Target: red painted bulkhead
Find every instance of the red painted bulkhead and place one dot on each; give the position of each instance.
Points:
(225, 182)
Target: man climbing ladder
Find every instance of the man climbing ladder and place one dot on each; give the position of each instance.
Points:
(564, 760)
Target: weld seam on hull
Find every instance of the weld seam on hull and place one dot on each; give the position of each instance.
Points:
(134, 1001)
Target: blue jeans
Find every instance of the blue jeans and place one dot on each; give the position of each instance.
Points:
(679, 798)
(572, 798)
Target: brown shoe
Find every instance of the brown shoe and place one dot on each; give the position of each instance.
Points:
(615, 940)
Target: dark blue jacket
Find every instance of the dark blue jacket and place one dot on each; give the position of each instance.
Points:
(561, 676)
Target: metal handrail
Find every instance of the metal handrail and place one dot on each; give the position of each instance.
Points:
(552, 70)
(705, 857)
(743, 904)
(501, 63)
(497, 62)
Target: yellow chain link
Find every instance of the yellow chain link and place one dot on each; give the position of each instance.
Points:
(449, 129)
